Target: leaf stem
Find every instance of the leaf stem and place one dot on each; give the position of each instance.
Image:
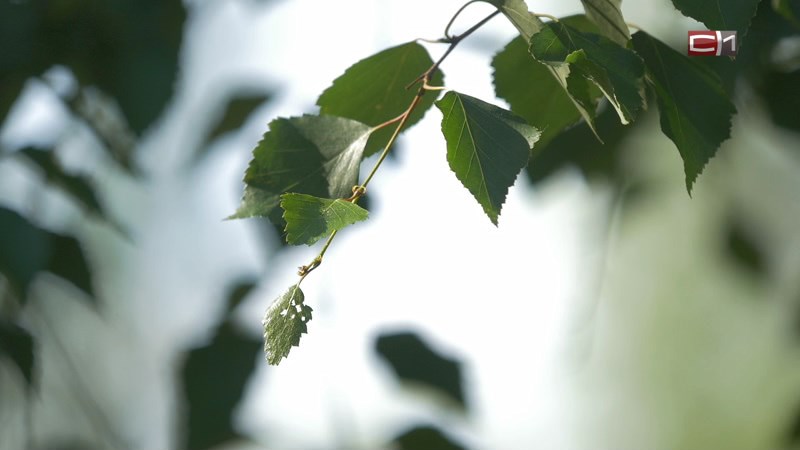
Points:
(359, 190)
(455, 16)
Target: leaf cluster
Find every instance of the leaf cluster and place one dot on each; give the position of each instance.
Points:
(556, 76)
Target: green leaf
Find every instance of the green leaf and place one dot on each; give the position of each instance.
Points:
(315, 155)
(487, 147)
(578, 148)
(727, 15)
(17, 345)
(413, 360)
(607, 14)
(214, 380)
(77, 187)
(589, 57)
(695, 111)
(516, 11)
(284, 322)
(531, 91)
(309, 219)
(373, 90)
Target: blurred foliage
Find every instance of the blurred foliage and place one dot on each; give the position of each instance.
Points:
(237, 109)
(214, 377)
(128, 49)
(413, 360)
(16, 344)
(743, 248)
(26, 250)
(426, 437)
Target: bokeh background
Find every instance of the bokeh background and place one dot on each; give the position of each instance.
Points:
(609, 309)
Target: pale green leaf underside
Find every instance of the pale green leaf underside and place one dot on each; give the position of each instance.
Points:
(487, 147)
(695, 111)
(315, 155)
(284, 322)
(373, 90)
(589, 57)
(309, 219)
(607, 14)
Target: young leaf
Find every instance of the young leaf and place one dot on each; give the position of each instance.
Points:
(531, 91)
(616, 70)
(17, 345)
(695, 111)
(607, 14)
(309, 219)
(729, 15)
(315, 155)
(373, 91)
(284, 322)
(487, 147)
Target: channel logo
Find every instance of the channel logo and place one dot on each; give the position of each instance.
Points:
(712, 43)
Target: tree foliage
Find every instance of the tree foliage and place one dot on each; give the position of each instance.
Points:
(555, 76)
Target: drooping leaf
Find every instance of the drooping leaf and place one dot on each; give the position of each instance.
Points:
(373, 90)
(728, 15)
(695, 111)
(607, 14)
(76, 186)
(532, 92)
(309, 219)
(68, 261)
(284, 322)
(589, 57)
(315, 155)
(516, 11)
(487, 147)
(16, 344)
(426, 437)
(214, 379)
(412, 360)
(24, 251)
